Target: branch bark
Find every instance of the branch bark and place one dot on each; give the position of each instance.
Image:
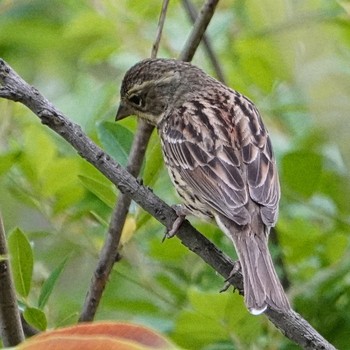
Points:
(109, 253)
(11, 331)
(14, 88)
(199, 27)
(192, 13)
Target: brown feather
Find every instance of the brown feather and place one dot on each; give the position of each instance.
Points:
(231, 169)
(220, 159)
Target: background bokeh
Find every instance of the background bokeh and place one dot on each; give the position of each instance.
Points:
(290, 57)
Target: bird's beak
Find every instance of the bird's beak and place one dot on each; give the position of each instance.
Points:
(123, 112)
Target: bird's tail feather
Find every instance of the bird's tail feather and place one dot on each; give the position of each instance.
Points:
(262, 287)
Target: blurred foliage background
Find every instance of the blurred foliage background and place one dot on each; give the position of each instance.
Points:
(290, 57)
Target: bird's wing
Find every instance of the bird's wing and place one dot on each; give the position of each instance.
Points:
(258, 159)
(225, 157)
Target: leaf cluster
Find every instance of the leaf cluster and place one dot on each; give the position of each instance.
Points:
(289, 57)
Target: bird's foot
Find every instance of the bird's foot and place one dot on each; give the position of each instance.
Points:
(236, 268)
(181, 213)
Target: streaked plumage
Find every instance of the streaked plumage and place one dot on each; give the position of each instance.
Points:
(220, 159)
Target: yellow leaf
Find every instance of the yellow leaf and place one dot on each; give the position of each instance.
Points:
(128, 230)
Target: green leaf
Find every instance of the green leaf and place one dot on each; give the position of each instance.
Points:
(260, 61)
(301, 240)
(49, 284)
(104, 191)
(58, 177)
(39, 153)
(116, 140)
(35, 317)
(212, 317)
(302, 172)
(7, 161)
(21, 256)
(154, 162)
(335, 247)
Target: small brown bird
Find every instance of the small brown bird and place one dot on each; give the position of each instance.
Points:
(220, 159)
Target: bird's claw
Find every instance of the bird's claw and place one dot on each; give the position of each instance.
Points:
(181, 213)
(236, 268)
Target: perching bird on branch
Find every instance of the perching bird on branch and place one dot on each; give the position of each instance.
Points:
(220, 159)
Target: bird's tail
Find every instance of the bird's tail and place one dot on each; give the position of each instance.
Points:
(262, 287)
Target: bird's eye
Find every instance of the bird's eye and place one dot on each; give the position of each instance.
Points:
(136, 100)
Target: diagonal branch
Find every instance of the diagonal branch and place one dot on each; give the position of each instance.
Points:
(109, 252)
(192, 13)
(199, 27)
(14, 88)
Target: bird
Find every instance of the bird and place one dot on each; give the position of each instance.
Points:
(220, 159)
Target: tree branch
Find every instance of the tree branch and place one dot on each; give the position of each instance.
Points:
(199, 27)
(14, 88)
(192, 13)
(11, 331)
(109, 252)
(160, 27)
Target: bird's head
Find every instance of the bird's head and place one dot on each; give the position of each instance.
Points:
(152, 86)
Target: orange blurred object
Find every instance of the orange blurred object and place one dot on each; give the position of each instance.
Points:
(99, 335)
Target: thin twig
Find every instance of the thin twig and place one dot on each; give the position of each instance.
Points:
(109, 252)
(14, 88)
(192, 13)
(199, 27)
(11, 331)
(160, 27)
